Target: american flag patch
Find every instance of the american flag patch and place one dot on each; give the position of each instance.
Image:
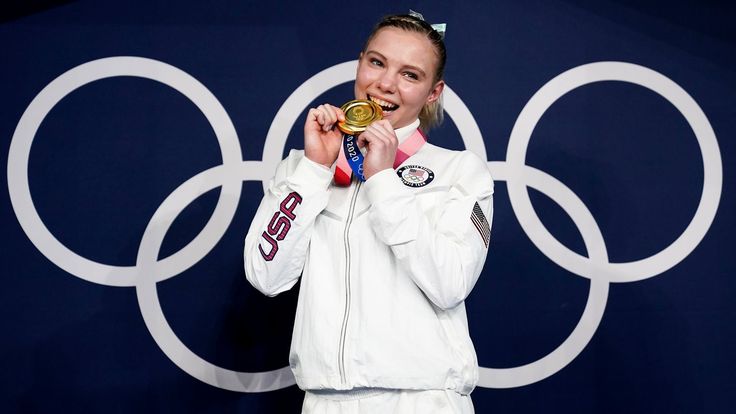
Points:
(480, 223)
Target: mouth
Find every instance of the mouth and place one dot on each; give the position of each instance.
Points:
(386, 106)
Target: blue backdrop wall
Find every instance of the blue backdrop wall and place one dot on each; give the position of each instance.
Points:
(138, 135)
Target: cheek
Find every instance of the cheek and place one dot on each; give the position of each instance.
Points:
(413, 96)
(363, 76)
(360, 84)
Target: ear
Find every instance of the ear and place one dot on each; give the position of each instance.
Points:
(436, 91)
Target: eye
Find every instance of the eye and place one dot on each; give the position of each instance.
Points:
(411, 75)
(376, 62)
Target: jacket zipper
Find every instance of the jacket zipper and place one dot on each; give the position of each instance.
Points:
(346, 313)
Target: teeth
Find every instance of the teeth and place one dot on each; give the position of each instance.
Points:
(388, 106)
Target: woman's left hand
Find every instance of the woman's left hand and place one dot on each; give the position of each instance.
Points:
(381, 143)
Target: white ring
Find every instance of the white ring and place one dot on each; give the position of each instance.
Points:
(20, 148)
(597, 296)
(532, 225)
(148, 300)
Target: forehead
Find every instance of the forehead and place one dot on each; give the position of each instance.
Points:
(404, 47)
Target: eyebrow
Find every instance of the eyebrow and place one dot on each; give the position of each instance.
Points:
(412, 67)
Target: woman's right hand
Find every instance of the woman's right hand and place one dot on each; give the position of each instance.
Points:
(321, 138)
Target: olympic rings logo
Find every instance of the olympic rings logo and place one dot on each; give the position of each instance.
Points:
(148, 270)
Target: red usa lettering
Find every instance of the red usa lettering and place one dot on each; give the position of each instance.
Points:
(280, 224)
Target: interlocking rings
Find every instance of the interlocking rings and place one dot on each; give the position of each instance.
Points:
(596, 267)
(712, 180)
(148, 271)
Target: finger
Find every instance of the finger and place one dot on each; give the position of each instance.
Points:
(320, 117)
(368, 137)
(376, 128)
(312, 114)
(374, 139)
(328, 118)
(363, 139)
(313, 118)
(335, 113)
(340, 114)
(387, 137)
(331, 114)
(385, 128)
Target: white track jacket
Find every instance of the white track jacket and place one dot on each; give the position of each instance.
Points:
(385, 265)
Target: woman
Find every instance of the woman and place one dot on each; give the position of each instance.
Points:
(387, 263)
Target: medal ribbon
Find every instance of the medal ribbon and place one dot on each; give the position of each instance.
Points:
(350, 159)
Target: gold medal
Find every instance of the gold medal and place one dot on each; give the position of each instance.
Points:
(358, 115)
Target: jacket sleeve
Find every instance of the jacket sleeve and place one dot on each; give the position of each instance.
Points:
(443, 247)
(278, 238)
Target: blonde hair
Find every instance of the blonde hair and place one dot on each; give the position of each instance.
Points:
(432, 113)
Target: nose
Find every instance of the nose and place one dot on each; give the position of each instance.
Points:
(387, 82)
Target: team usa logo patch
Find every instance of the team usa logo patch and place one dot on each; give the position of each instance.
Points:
(415, 176)
(480, 222)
